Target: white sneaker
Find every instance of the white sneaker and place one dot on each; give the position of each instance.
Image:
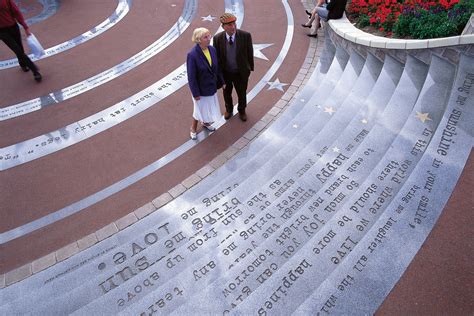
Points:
(210, 128)
(193, 135)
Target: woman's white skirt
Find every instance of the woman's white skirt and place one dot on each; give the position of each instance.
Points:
(207, 110)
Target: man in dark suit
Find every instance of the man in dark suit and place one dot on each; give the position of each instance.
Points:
(235, 54)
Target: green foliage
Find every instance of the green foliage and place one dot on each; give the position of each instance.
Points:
(364, 21)
(434, 22)
(402, 26)
(432, 26)
(418, 19)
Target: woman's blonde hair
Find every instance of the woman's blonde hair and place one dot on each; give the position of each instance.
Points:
(198, 33)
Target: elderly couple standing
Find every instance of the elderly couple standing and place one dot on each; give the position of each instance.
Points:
(227, 64)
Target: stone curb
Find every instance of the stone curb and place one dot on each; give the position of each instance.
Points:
(278, 108)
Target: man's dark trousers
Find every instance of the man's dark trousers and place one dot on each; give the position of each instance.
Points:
(12, 38)
(240, 83)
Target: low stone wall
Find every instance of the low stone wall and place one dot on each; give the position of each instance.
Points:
(342, 32)
(469, 29)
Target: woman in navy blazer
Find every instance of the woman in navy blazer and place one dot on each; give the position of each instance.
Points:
(204, 78)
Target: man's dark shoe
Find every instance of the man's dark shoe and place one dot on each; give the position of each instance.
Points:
(25, 68)
(308, 13)
(312, 35)
(37, 76)
(227, 115)
(243, 116)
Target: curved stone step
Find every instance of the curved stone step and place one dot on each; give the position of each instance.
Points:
(249, 168)
(248, 171)
(401, 92)
(326, 135)
(329, 246)
(332, 77)
(322, 67)
(345, 135)
(346, 82)
(413, 213)
(197, 193)
(278, 162)
(407, 90)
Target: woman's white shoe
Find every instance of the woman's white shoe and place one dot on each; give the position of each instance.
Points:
(210, 128)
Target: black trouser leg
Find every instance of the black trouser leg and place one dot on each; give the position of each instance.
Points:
(227, 91)
(12, 38)
(241, 84)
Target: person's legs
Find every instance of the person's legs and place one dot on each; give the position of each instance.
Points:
(193, 133)
(194, 125)
(318, 23)
(227, 92)
(12, 38)
(310, 20)
(241, 84)
(7, 35)
(321, 13)
(15, 31)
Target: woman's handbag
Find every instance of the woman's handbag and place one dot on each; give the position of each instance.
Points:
(36, 49)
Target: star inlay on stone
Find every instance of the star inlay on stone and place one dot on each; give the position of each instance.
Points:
(208, 18)
(364, 121)
(335, 149)
(295, 125)
(257, 50)
(330, 110)
(276, 85)
(423, 117)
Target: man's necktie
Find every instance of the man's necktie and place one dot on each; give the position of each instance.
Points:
(231, 41)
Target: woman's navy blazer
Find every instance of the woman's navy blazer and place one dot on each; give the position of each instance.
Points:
(203, 79)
